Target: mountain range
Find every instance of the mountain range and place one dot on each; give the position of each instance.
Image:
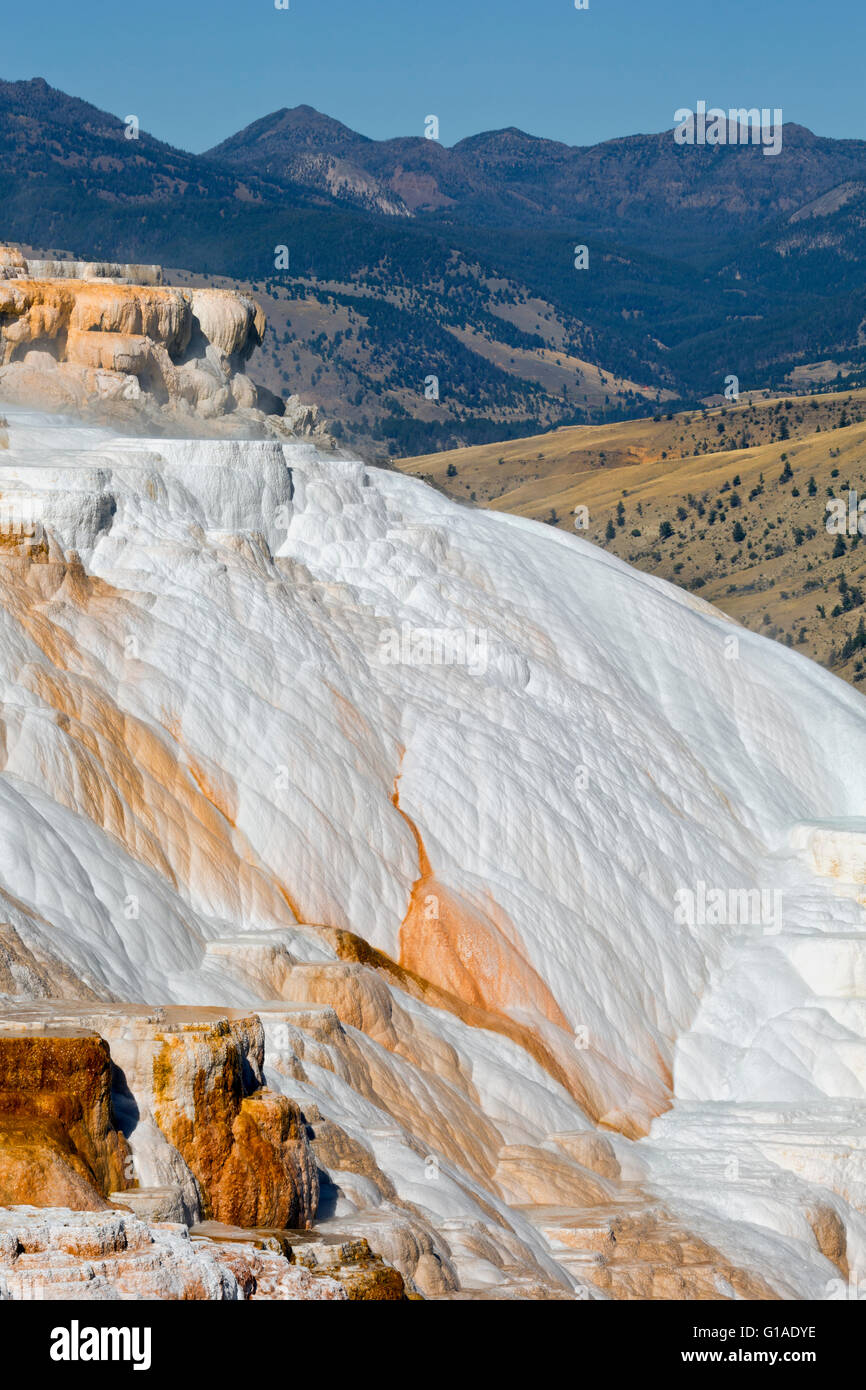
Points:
(410, 261)
(642, 188)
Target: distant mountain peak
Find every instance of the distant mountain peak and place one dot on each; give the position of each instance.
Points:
(303, 126)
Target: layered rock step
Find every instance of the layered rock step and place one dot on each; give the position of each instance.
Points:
(632, 1249)
(347, 1260)
(152, 1204)
(762, 1155)
(50, 1253)
(807, 1020)
(612, 1235)
(14, 265)
(830, 963)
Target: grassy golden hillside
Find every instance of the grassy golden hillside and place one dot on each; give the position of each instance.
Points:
(729, 502)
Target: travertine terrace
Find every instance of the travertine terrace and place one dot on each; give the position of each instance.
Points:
(328, 944)
(112, 342)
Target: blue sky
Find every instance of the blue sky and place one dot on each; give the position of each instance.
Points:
(194, 71)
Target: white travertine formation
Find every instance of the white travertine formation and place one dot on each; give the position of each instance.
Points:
(14, 265)
(95, 270)
(540, 876)
(112, 342)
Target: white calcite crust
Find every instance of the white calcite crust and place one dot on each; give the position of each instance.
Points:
(222, 721)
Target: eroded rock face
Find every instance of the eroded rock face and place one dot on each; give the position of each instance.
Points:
(637, 1250)
(67, 341)
(22, 973)
(247, 1146)
(13, 264)
(527, 1174)
(363, 1274)
(58, 1140)
(592, 1150)
(93, 337)
(188, 1089)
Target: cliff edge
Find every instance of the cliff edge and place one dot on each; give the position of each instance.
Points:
(111, 343)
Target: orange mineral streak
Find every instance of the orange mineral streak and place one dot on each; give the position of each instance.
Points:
(449, 942)
(131, 778)
(470, 959)
(217, 796)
